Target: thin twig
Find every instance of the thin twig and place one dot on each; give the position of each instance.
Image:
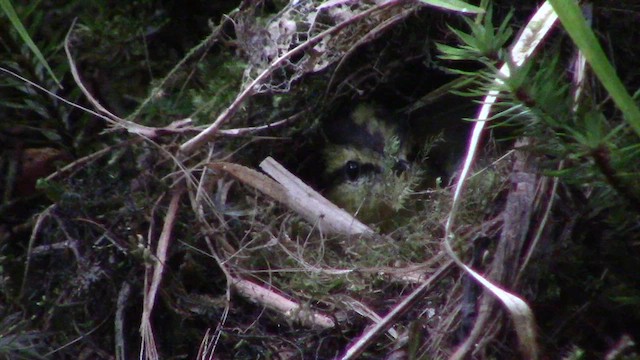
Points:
(367, 338)
(290, 309)
(102, 112)
(148, 347)
(119, 327)
(32, 239)
(254, 129)
(532, 35)
(210, 132)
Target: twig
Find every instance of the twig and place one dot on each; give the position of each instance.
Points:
(210, 132)
(532, 35)
(281, 304)
(148, 347)
(298, 196)
(311, 205)
(76, 76)
(367, 338)
(103, 113)
(32, 239)
(123, 299)
(253, 129)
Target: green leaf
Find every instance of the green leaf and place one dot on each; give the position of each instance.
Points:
(8, 9)
(455, 5)
(483, 42)
(576, 26)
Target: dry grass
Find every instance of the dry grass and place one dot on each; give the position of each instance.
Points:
(205, 245)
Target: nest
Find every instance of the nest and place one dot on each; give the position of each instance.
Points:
(216, 242)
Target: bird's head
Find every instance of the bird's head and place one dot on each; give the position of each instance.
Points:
(366, 168)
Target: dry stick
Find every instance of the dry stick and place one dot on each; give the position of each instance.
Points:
(541, 227)
(294, 193)
(225, 313)
(405, 305)
(176, 126)
(31, 83)
(517, 216)
(32, 239)
(537, 28)
(107, 115)
(103, 113)
(206, 135)
(197, 200)
(160, 259)
(368, 313)
(207, 346)
(253, 129)
(290, 309)
(310, 204)
(304, 264)
(119, 327)
(76, 77)
(579, 78)
(212, 340)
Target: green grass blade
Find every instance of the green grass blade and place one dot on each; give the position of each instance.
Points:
(455, 5)
(574, 23)
(10, 12)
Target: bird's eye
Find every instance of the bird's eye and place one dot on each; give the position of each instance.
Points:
(352, 169)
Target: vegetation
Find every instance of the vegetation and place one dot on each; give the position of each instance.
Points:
(143, 214)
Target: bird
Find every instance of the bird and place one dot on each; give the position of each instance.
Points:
(366, 170)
